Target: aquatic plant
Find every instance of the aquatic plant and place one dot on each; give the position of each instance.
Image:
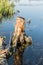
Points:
(6, 8)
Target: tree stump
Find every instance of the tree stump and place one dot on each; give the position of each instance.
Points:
(20, 40)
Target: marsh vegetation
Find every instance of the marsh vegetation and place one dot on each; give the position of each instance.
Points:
(6, 8)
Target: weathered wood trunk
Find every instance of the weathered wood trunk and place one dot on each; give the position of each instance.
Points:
(19, 51)
(20, 40)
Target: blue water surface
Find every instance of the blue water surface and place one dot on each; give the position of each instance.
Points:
(33, 55)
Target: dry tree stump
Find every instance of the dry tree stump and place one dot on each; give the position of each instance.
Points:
(20, 40)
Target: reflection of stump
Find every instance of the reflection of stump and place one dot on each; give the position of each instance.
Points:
(20, 47)
(20, 41)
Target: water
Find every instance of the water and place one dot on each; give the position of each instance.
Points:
(32, 10)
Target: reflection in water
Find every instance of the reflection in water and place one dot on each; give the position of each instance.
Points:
(33, 53)
(0, 21)
(17, 1)
(30, 2)
(40, 62)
